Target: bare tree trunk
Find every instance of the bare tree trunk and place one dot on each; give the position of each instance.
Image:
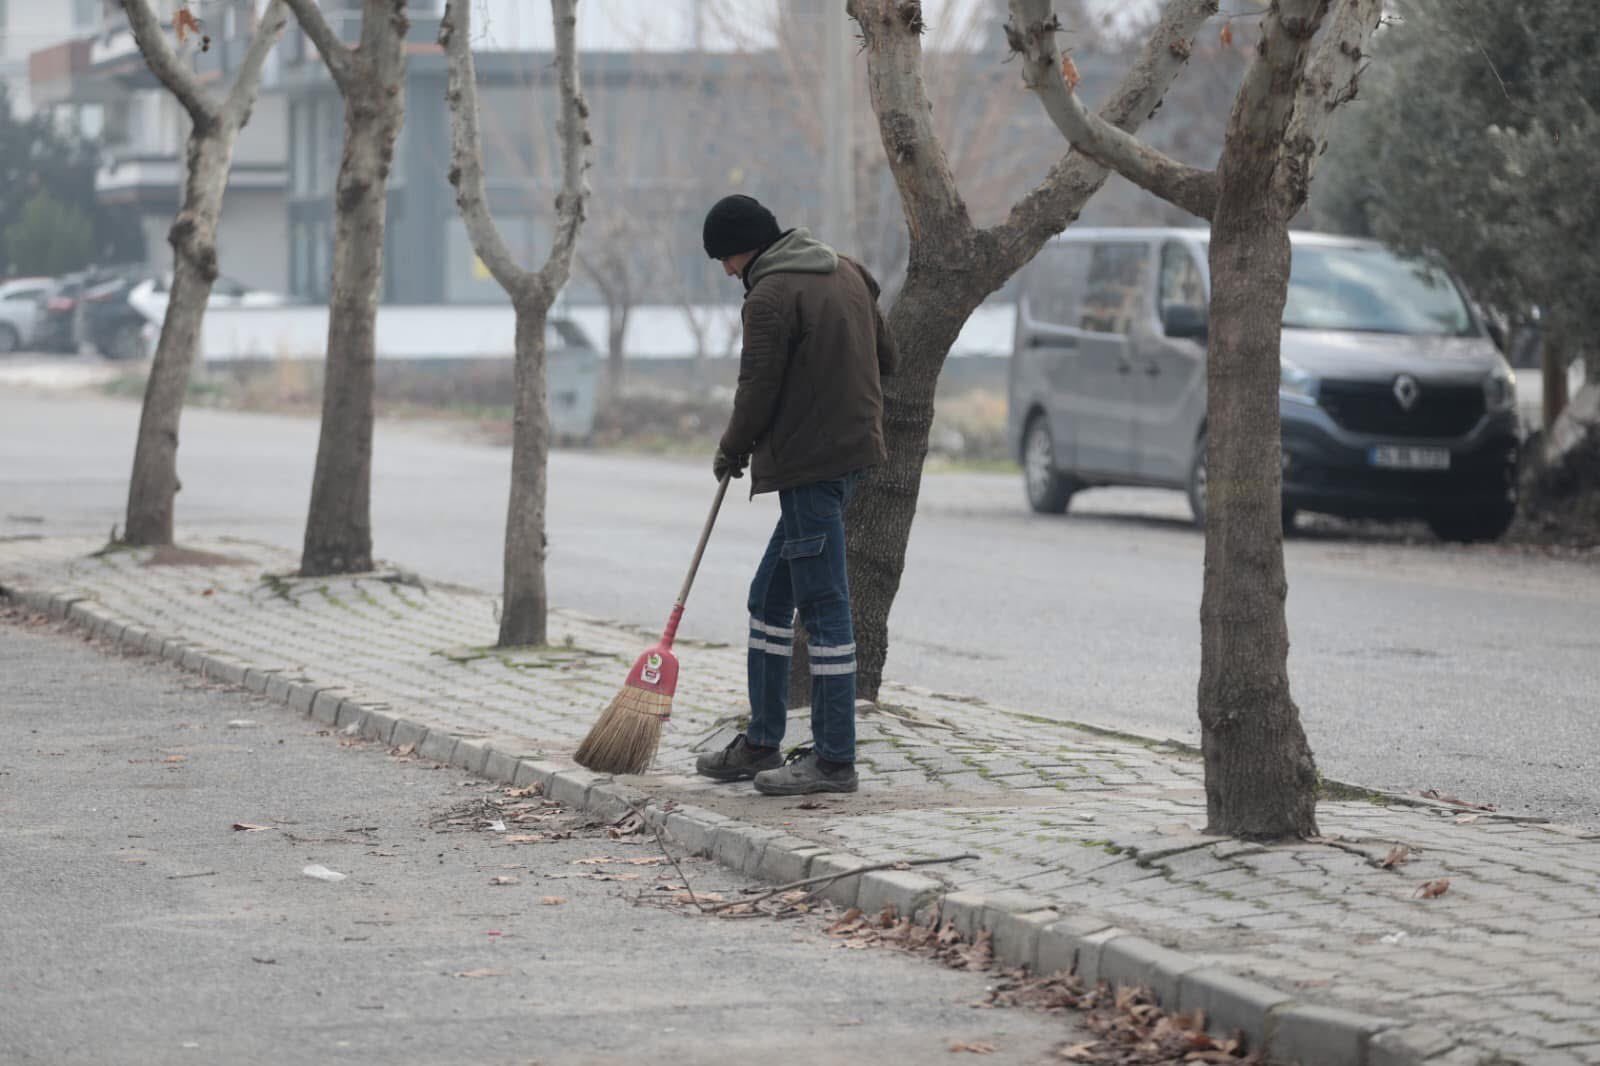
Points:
(1261, 782)
(214, 128)
(925, 321)
(952, 268)
(1553, 374)
(616, 351)
(338, 536)
(154, 485)
(525, 601)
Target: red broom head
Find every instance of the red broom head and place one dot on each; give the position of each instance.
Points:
(656, 671)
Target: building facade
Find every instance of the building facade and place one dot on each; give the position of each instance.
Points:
(96, 80)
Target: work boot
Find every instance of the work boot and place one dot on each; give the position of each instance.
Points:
(804, 773)
(739, 761)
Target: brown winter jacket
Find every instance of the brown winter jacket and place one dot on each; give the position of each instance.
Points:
(809, 404)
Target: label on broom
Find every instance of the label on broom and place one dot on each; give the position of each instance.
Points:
(651, 674)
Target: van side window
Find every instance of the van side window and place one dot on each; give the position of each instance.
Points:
(1057, 284)
(1116, 288)
(1181, 283)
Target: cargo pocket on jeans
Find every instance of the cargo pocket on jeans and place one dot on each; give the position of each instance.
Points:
(808, 569)
(804, 547)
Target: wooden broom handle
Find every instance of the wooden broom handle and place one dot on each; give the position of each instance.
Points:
(705, 537)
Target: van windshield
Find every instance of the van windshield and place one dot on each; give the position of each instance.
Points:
(1371, 290)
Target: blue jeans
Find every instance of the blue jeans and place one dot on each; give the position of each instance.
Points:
(804, 568)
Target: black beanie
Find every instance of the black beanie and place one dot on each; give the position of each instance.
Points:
(737, 224)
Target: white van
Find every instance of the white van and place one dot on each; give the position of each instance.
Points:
(1395, 402)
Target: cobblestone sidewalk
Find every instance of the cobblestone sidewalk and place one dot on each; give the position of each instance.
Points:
(1090, 847)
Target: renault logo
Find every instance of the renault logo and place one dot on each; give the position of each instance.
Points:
(1406, 391)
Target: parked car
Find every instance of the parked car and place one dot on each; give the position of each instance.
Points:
(108, 321)
(150, 296)
(55, 324)
(19, 307)
(1394, 401)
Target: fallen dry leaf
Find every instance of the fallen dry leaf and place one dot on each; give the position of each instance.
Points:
(976, 1047)
(1397, 855)
(403, 750)
(1468, 819)
(502, 879)
(552, 901)
(1433, 889)
(483, 973)
(176, 758)
(1226, 36)
(1079, 1052)
(250, 827)
(524, 838)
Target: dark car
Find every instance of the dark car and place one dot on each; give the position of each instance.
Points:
(108, 321)
(91, 306)
(55, 326)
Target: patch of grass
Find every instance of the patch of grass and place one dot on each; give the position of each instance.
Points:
(279, 587)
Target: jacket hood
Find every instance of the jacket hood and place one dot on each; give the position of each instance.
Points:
(796, 252)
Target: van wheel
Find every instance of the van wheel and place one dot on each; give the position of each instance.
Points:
(1048, 491)
(1473, 527)
(1197, 483)
(9, 340)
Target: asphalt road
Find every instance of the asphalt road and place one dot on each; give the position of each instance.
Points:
(140, 927)
(1416, 665)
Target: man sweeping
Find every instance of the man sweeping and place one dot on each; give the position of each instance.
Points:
(808, 417)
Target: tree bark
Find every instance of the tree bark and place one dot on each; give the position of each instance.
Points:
(1553, 379)
(153, 487)
(525, 602)
(1261, 780)
(953, 266)
(214, 128)
(616, 352)
(338, 536)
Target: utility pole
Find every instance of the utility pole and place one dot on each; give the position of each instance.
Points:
(838, 186)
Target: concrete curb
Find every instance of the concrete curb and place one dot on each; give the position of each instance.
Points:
(1027, 931)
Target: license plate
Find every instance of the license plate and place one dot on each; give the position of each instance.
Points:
(1409, 457)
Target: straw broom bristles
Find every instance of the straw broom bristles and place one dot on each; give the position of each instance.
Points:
(625, 738)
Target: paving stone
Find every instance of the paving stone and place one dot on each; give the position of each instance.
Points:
(843, 892)
(407, 733)
(1230, 1002)
(1136, 961)
(903, 890)
(1324, 1035)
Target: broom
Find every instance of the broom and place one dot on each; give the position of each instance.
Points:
(624, 740)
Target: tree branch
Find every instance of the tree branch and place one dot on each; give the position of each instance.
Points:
(466, 155)
(165, 64)
(1056, 201)
(892, 31)
(242, 95)
(1330, 82)
(1032, 35)
(335, 55)
(573, 127)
